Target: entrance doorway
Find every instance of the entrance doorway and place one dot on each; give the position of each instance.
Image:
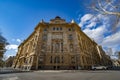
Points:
(56, 67)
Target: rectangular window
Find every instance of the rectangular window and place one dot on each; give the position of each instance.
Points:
(53, 28)
(62, 60)
(60, 28)
(51, 59)
(57, 28)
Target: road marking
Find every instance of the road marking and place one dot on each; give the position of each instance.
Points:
(11, 78)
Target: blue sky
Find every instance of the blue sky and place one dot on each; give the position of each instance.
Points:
(18, 18)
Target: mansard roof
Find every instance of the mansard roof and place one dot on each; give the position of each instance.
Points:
(57, 20)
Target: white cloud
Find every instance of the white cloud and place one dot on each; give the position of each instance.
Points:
(112, 40)
(85, 18)
(11, 50)
(97, 34)
(92, 24)
(18, 40)
(16, 50)
(96, 27)
(12, 47)
(90, 21)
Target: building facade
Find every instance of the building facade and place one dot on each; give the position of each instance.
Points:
(3, 43)
(57, 45)
(9, 61)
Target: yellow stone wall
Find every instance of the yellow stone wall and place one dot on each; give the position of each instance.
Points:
(57, 45)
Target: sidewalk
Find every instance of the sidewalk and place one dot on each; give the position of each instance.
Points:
(10, 70)
(60, 70)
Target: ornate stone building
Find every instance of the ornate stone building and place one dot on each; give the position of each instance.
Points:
(9, 61)
(57, 45)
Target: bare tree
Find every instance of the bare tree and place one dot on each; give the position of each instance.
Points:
(109, 8)
(102, 7)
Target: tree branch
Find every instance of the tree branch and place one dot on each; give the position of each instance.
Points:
(103, 10)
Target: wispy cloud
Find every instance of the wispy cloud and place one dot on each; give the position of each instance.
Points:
(97, 33)
(11, 50)
(84, 19)
(112, 40)
(98, 28)
(12, 47)
(17, 40)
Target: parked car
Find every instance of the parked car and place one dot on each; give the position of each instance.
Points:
(99, 67)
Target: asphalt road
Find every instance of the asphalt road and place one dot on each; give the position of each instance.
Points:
(63, 75)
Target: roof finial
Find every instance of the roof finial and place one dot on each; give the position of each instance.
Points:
(42, 21)
(72, 21)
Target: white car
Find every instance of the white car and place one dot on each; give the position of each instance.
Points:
(99, 67)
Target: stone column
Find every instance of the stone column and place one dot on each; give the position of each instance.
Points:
(60, 47)
(49, 42)
(53, 47)
(37, 58)
(65, 47)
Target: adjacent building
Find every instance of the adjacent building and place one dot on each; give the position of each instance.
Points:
(59, 45)
(3, 43)
(9, 61)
